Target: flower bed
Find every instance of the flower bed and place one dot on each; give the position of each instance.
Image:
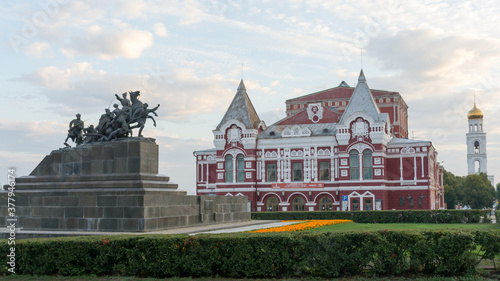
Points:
(301, 225)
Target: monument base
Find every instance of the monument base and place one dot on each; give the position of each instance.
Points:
(111, 187)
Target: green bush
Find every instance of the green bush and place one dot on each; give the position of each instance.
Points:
(259, 255)
(401, 216)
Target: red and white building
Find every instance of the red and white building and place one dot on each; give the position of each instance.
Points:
(339, 149)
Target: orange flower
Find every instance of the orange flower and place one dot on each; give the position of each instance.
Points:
(301, 225)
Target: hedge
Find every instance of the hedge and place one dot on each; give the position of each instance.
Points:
(250, 255)
(398, 216)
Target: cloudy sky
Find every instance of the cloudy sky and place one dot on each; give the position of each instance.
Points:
(60, 57)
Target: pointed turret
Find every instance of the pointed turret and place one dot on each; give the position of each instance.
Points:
(241, 109)
(361, 100)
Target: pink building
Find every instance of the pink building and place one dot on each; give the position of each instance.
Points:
(327, 154)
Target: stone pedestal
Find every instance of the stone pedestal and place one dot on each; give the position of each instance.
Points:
(112, 186)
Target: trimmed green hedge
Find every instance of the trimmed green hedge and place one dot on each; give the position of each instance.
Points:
(401, 216)
(258, 255)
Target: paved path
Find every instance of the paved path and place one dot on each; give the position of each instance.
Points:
(215, 228)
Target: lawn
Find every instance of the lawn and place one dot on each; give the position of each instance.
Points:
(404, 226)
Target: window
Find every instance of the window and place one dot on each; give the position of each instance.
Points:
(272, 204)
(401, 201)
(325, 203)
(476, 147)
(271, 172)
(354, 164)
(355, 204)
(297, 172)
(298, 204)
(368, 204)
(324, 171)
(420, 200)
(410, 200)
(229, 168)
(367, 165)
(240, 166)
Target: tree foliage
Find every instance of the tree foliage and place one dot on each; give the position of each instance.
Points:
(474, 191)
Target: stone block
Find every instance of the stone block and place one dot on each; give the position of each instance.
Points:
(152, 212)
(70, 223)
(96, 167)
(113, 212)
(51, 201)
(93, 212)
(69, 201)
(86, 155)
(90, 201)
(86, 168)
(150, 224)
(133, 165)
(121, 165)
(132, 224)
(73, 212)
(32, 223)
(36, 201)
(50, 223)
(134, 149)
(107, 224)
(108, 166)
(121, 150)
(127, 201)
(133, 212)
(96, 152)
(106, 201)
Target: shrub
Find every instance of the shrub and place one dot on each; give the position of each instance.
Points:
(259, 255)
(397, 216)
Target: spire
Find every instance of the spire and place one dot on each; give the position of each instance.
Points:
(361, 101)
(241, 109)
(361, 78)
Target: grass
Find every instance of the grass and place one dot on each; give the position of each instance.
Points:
(404, 226)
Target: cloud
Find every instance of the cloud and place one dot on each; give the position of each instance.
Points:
(108, 44)
(39, 50)
(53, 77)
(160, 29)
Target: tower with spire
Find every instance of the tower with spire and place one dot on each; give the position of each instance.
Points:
(476, 144)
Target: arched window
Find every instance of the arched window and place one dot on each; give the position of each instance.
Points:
(240, 167)
(368, 204)
(325, 203)
(477, 166)
(354, 164)
(367, 165)
(476, 147)
(229, 168)
(272, 204)
(298, 204)
(355, 204)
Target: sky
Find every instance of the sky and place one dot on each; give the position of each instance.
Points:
(62, 57)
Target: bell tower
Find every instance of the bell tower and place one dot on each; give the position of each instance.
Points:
(476, 143)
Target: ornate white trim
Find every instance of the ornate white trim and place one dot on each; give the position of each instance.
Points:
(407, 150)
(315, 112)
(295, 131)
(359, 128)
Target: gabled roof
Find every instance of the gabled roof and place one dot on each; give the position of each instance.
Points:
(361, 100)
(343, 91)
(241, 109)
(330, 115)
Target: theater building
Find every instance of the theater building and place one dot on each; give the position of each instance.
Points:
(343, 148)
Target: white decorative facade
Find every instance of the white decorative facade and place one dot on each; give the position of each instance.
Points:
(320, 157)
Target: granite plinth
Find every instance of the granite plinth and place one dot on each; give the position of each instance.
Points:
(112, 187)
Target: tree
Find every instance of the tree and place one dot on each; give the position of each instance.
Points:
(478, 192)
(452, 189)
(498, 191)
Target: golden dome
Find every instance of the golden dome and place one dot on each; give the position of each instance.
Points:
(475, 113)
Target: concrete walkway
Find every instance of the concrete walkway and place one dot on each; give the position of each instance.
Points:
(215, 228)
